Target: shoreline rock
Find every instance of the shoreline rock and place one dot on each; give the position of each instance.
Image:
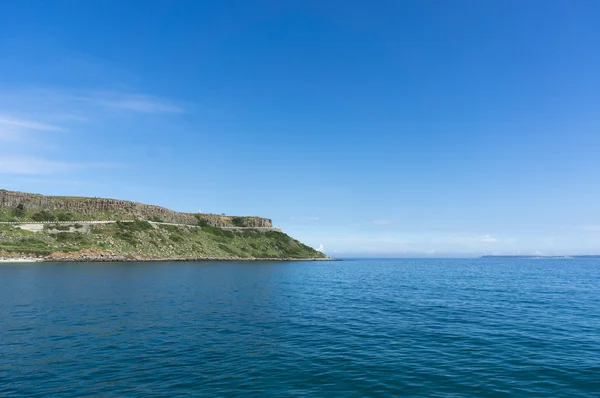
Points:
(152, 260)
(105, 256)
(20, 260)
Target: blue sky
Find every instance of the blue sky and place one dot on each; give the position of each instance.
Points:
(389, 128)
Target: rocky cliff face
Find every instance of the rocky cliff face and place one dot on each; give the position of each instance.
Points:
(119, 209)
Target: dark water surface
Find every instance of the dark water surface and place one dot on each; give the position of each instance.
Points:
(448, 328)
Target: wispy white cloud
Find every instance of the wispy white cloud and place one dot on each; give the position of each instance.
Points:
(44, 180)
(487, 238)
(29, 118)
(465, 239)
(85, 104)
(145, 105)
(15, 129)
(406, 242)
(294, 218)
(381, 222)
(35, 165)
(128, 102)
(7, 121)
(32, 165)
(588, 228)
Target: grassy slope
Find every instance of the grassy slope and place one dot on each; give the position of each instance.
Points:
(141, 238)
(14, 215)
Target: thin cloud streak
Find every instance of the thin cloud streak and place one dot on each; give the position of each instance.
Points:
(392, 243)
(12, 122)
(381, 222)
(588, 228)
(15, 129)
(27, 117)
(34, 165)
(294, 218)
(129, 102)
(466, 239)
(84, 104)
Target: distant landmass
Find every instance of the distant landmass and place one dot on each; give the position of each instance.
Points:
(67, 228)
(536, 256)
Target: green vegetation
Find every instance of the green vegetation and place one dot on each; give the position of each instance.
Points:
(201, 222)
(123, 238)
(19, 211)
(238, 221)
(134, 226)
(44, 216)
(19, 214)
(65, 216)
(126, 231)
(157, 241)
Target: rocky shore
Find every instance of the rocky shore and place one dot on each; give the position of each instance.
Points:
(20, 260)
(95, 255)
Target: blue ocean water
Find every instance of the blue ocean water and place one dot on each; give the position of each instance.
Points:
(443, 328)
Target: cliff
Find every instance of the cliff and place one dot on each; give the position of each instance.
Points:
(57, 228)
(112, 209)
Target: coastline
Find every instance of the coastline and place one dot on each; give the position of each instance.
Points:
(130, 259)
(157, 260)
(36, 228)
(21, 260)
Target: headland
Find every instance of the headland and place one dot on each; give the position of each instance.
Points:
(36, 227)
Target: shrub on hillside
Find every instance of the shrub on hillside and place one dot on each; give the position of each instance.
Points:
(238, 221)
(64, 216)
(134, 226)
(43, 215)
(201, 222)
(71, 237)
(19, 211)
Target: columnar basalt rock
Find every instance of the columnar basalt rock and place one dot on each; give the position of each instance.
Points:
(112, 209)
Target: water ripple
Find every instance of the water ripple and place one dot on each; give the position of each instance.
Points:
(447, 328)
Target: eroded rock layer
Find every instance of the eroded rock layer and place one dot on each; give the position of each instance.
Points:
(112, 209)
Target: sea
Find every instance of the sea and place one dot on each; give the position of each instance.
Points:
(491, 327)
